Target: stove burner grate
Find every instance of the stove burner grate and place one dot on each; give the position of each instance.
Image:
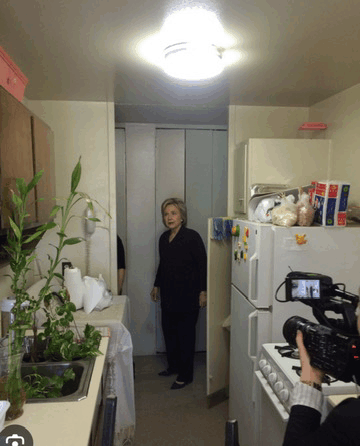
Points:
(326, 380)
(288, 351)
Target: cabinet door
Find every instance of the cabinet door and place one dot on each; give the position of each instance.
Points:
(169, 182)
(43, 159)
(16, 158)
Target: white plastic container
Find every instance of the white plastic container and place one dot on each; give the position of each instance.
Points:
(4, 406)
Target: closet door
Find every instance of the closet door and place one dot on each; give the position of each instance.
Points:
(192, 165)
(206, 190)
(219, 173)
(198, 199)
(199, 179)
(121, 193)
(169, 182)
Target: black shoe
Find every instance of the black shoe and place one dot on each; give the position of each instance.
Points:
(179, 385)
(167, 372)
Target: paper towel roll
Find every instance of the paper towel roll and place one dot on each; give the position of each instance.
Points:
(75, 286)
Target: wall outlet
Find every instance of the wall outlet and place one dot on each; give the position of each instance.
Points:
(65, 265)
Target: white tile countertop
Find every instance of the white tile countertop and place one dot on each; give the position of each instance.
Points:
(65, 423)
(119, 311)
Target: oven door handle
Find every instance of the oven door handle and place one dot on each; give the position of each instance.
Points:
(273, 398)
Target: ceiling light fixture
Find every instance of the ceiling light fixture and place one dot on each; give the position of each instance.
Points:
(192, 51)
(193, 61)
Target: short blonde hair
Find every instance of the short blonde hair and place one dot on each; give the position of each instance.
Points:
(179, 204)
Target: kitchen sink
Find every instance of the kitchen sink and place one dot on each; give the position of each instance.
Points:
(73, 390)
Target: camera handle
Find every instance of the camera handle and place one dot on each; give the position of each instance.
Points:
(349, 323)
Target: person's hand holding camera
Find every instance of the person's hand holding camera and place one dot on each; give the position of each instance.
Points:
(309, 374)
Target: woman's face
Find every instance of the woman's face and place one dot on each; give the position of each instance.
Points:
(172, 217)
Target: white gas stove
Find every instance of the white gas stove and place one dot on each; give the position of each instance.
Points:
(281, 375)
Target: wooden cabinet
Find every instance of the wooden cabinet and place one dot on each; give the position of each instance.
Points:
(26, 146)
(43, 148)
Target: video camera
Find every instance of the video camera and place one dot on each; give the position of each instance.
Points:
(334, 344)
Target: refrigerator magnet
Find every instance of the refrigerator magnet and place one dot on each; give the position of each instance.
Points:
(301, 239)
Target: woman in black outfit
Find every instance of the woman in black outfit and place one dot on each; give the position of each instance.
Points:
(181, 280)
(340, 428)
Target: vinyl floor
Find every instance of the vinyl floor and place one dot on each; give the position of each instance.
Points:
(179, 417)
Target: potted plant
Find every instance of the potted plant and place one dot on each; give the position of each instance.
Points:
(24, 306)
(55, 328)
(63, 343)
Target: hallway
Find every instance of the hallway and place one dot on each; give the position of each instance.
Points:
(167, 417)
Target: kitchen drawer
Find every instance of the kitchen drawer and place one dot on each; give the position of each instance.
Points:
(11, 77)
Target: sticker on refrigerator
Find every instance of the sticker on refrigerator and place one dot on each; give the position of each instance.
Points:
(301, 239)
(292, 244)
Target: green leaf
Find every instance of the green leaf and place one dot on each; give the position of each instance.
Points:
(15, 228)
(30, 259)
(17, 201)
(54, 210)
(59, 276)
(33, 237)
(48, 226)
(21, 186)
(35, 180)
(72, 306)
(72, 241)
(75, 177)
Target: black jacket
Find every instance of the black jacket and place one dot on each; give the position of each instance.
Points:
(340, 428)
(181, 274)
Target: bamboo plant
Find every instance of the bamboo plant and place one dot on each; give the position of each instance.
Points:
(21, 259)
(25, 306)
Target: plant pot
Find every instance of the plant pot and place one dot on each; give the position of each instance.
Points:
(11, 385)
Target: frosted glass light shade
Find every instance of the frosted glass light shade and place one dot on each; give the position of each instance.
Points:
(193, 61)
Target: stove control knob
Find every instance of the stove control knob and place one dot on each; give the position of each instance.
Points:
(262, 363)
(266, 370)
(278, 386)
(273, 377)
(284, 395)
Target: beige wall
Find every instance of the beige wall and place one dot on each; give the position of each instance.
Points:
(341, 113)
(260, 122)
(83, 129)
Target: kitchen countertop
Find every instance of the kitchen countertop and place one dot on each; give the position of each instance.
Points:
(334, 400)
(119, 311)
(64, 423)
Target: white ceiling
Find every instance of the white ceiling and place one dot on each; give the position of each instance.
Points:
(296, 52)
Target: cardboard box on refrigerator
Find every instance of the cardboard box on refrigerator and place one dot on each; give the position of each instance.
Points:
(331, 201)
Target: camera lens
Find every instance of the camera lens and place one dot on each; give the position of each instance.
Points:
(290, 328)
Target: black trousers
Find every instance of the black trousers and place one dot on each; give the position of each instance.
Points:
(179, 331)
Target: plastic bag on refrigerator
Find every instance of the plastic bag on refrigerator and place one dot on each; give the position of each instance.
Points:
(286, 213)
(305, 212)
(263, 210)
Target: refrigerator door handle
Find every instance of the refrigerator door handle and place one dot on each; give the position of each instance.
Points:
(253, 276)
(252, 316)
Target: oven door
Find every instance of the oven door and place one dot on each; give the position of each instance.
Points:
(271, 417)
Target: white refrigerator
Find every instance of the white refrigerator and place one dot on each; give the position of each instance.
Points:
(262, 256)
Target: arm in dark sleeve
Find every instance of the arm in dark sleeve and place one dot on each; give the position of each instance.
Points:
(158, 276)
(199, 253)
(302, 422)
(158, 273)
(341, 427)
(120, 254)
